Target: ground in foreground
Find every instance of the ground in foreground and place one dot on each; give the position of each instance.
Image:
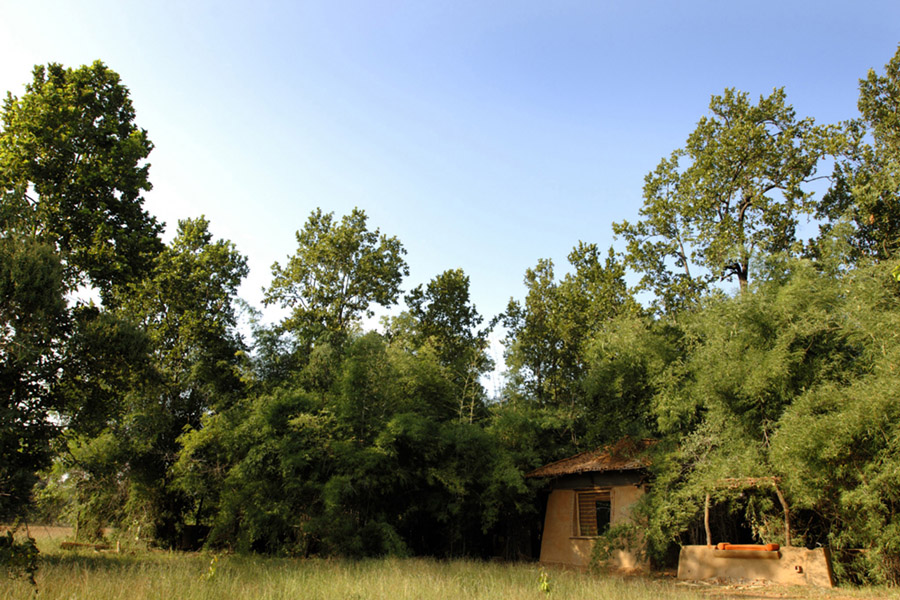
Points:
(136, 575)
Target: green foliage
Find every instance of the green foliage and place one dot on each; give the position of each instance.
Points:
(107, 354)
(867, 173)
(840, 435)
(72, 170)
(442, 319)
(90, 480)
(32, 319)
(735, 190)
(747, 358)
(366, 391)
(793, 379)
(338, 271)
(549, 336)
(188, 309)
(544, 582)
(620, 537)
(187, 364)
(531, 342)
(19, 558)
(626, 365)
(212, 569)
(258, 467)
(375, 462)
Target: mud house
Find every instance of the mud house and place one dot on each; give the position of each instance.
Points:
(589, 493)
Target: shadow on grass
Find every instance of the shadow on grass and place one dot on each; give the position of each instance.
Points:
(108, 561)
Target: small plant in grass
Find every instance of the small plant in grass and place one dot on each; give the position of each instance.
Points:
(544, 582)
(211, 570)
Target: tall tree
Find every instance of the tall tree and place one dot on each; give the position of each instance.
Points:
(532, 342)
(187, 309)
(788, 380)
(590, 295)
(549, 335)
(338, 271)
(735, 190)
(72, 170)
(867, 174)
(441, 316)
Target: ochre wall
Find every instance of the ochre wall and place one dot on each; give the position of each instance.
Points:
(792, 566)
(561, 543)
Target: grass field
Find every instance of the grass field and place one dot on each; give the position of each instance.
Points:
(141, 574)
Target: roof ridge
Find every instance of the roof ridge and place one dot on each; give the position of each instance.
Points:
(622, 455)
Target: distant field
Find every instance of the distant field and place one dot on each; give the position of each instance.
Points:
(45, 534)
(141, 574)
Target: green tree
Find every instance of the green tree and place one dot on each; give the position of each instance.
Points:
(767, 387)
(589, 297)
(187, 310)
(548, 335)
(338, 271)
(32, 320)
(734, 191)
(624, 365)
(367, 394)
(532, 344)
(259, 468)
(72, 170)
(441, 316)
(840, 435)
(443, 312)
(867, 174)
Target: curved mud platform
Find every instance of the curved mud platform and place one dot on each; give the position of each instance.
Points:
(789, 566)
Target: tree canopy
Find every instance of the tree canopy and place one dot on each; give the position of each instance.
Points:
(735, 191)
(339, 270)
(72, 170)
(867, 189)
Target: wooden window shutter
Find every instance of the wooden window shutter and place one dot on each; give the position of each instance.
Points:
(594, 512)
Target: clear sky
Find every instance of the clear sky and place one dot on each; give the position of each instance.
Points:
(484, 135)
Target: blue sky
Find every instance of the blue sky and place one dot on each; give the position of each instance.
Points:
(484, 135)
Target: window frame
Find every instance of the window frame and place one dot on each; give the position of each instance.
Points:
(586, 525)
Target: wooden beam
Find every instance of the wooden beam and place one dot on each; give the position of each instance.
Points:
(787, 515)
(706, 522)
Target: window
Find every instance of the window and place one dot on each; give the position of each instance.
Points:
(594, 511)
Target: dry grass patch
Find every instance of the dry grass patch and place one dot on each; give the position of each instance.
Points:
(138, 575)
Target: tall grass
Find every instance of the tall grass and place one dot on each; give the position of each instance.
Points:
(164, 575)
(141, 574)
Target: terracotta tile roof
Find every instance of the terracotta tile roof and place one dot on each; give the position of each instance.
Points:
(624, 455)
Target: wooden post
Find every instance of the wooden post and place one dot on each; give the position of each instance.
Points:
(787, 514)
(706, 522)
